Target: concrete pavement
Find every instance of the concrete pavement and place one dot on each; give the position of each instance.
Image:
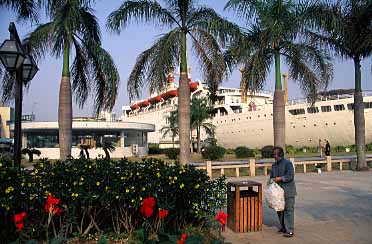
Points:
(333, 207)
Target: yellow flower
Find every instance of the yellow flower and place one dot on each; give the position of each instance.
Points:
(98, 183)
(107, 188)
(74, 194)
(197, 186)
(41, 165)
(47, 193)
(143, 188)
(74, 183)
(36, 171)
(140, 198)
(9, 189)
(133, 200)
(127, 190)
(29, 184)
(90, 166)
(81, 179)
(117, 197)
(182, 186)
(22, 184)
(158, 175)
(138, 173)
(122, 178)
(1, 164)
(80, 183)
(175, 178)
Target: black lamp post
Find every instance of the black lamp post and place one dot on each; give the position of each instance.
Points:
(15, 59)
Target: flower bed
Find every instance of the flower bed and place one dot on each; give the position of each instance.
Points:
(148, 200)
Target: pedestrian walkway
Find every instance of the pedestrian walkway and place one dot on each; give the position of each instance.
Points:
(333, 207)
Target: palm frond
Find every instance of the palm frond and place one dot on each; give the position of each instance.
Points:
(89, 25)
(7, 87)
(208, 20)
(81, 82)
(214, 65)
(245, 8)
(145, 11)
(25, 9)
(41, 40)
(156, 63)
(105, 75)
(308, 66)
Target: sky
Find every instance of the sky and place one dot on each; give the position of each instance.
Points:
(41, 98)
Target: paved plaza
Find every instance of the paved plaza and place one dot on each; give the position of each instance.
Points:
(330, 208)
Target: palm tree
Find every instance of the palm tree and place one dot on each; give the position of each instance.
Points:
(85, 148)
(171, 129)
(206, 30)
(30, 152)
(346, 28)
(275, 31)
(199, 115)
(73, 26)
(107, 147)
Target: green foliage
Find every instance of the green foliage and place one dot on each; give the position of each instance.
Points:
(266, 151)
(229, 151)
(290, 149)
(213, 152)
(155, 149)
(244, 152)
(369, 147)
(172, 153)
(104, 191)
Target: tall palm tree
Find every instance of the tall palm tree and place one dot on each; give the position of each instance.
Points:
(85, 148)
(73, 26)
(345, 27)
(275, 30)
(172, 129)
(184, 18)
(199, 115)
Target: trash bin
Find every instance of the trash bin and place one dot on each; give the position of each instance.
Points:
(244, 206)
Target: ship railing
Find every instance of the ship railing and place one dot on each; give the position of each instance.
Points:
(255, 167)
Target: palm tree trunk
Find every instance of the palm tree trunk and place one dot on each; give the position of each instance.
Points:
(172, 141)
(278, 107)
(106, 153)
(198, 137)
(184, 106)
(359, 121)
(87, 153)
(65, 109)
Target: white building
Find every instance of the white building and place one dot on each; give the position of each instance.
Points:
(130, 138)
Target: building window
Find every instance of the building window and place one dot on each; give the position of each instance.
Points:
(326, 109)
(339, 107)
(367, 105)
(313, 110)
(297, 111)
(350, 106)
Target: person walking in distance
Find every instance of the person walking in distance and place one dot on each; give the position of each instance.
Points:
(283, 173)
(327, 148)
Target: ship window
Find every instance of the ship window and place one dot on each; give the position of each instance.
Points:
(367, 105)
(339, 107)
(350, 106)
(326, 109)
(297, 111)
(313, 110)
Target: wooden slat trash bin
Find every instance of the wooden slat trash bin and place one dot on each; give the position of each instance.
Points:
(244, 206)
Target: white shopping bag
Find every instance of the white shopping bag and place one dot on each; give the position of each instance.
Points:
(274, 196)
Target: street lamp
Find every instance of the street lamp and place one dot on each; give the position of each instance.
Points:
(15, 59)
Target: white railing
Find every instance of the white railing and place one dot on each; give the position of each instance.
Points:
(252, 165)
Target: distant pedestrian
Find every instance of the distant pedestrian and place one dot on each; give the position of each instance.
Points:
(327, 148)
(283, 173)
(320, 148)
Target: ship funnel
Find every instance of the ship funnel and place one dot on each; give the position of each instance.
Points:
(285, 79)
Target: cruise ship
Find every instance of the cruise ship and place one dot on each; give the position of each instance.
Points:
(248, 120)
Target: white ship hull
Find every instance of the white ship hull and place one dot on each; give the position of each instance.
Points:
(254, 129)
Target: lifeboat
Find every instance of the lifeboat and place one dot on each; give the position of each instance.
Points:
(193, 86)
(168, 94)
(134, 106)
(144, 104)
(154, 100)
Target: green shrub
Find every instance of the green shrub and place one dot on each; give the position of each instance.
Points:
(154, 149)
(229, 151)
(369, 147)
(103, 191)
(213, 152)
(172, 153)
(244, 152)
(266, 151)
(290, 149)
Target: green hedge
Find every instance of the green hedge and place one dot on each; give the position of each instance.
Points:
(213, 152)
(103, 191)
(244, 152)
(172, 153)
(266, 151)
